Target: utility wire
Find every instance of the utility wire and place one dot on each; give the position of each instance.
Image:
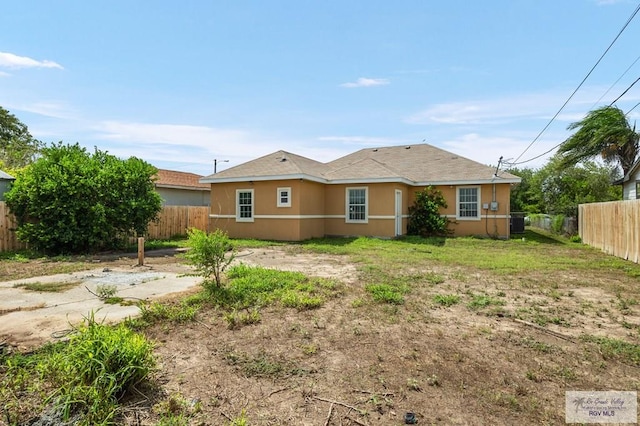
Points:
(515, 162)
(546, 152)
(616, 82)
(634, 107)
(623, 93)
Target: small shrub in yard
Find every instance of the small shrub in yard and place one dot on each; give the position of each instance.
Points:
(425, 219)
(210, 253)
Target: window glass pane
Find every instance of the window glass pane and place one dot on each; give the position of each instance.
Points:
(357, 204)
(245, 204)
(468, 199)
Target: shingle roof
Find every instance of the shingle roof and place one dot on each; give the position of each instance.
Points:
(415, 164)
(184, 180)
(276, 164)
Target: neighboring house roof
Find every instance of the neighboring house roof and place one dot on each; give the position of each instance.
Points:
(632, 172)
(180, 180)
(421, 164)
(6, 176)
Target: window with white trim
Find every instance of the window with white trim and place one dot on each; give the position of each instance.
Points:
(284, 197)
(357, 205)
(244, 205)
(638, 190)
(468, 202)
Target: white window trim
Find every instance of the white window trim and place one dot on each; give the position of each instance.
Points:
(253, 204)
(279, 200)
(478, 202)
(366, 204)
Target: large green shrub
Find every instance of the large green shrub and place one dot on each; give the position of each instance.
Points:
(71, 201)
(424, 215)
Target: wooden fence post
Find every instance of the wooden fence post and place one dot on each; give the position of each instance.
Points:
(140, 251)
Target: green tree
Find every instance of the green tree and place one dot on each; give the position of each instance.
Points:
(71, 201)
(562, 188)
(604, 132)
(17, 147)
(523, 197)
(424, 215)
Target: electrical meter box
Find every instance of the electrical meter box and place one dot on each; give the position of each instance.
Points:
(493, 206)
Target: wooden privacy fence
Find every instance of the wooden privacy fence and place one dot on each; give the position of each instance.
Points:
(613, 227)
(8, 238)
(173, 220)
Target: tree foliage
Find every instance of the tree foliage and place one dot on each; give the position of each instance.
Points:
(557, 189)
(71, 201)
(424, 215)
(17, 147)
(604, 132)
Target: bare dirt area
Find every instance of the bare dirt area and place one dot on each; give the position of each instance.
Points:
(504, 360)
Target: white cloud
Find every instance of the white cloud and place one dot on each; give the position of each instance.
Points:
(47, 109)
(366, 82)
(9, 60)
(497, 110)
(4, 74)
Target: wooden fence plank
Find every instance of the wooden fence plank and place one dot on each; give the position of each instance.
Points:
(612, 227)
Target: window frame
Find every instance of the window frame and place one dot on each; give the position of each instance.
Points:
(478, 205)
(239, 217)
(348, 204)
(279, 192)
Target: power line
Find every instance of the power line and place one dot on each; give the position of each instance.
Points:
(623, 93)
(616, 82)
(515, 162)
(634, 107)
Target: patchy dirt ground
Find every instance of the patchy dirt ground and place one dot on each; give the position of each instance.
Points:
(354, 362)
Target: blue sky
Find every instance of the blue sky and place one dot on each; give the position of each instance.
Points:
(180, 84)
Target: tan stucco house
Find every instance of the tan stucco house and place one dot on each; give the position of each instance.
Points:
(283, 196)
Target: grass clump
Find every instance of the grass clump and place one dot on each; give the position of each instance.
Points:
(387, 293)
(82, 380)
(56, 287)
(480, 301)
(616, 349)
(446, 299)
(254, 287)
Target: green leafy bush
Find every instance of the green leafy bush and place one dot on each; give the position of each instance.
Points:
(424, 215)
(210, 253)
(70, 201)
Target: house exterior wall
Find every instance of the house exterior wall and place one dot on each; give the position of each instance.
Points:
(318, 210)
(303, 219)
(380, 212)
(490, 223)
(629, 191)
(183, 197)
(5, 185)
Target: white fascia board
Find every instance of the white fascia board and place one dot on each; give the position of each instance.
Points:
(365, 181)
(263, 178)
(467, 182)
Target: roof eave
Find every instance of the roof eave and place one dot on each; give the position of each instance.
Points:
(302, 176)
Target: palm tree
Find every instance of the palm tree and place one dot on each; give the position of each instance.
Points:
(605, 132)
